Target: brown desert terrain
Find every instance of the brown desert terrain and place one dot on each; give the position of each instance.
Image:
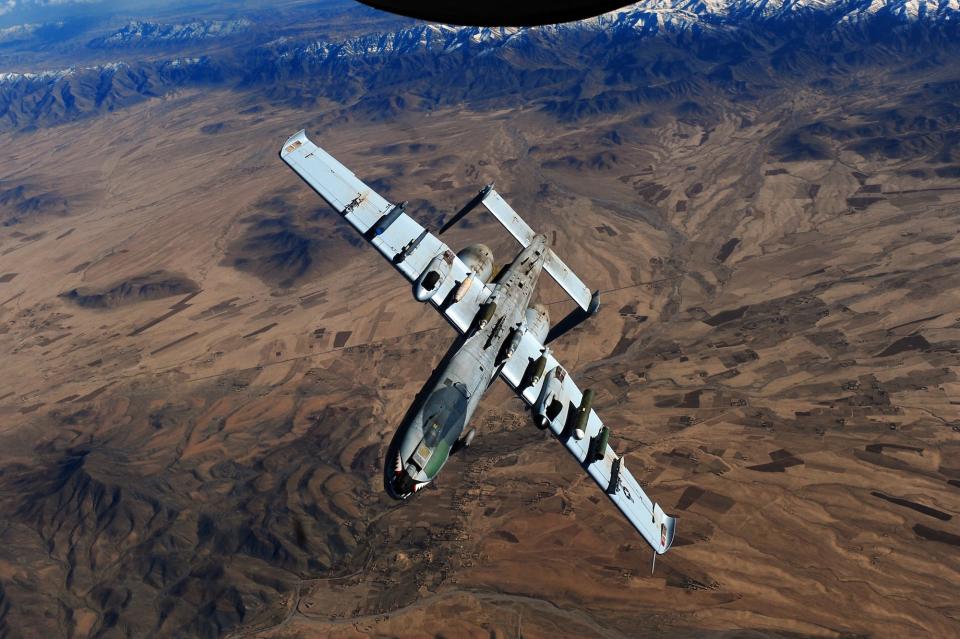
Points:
(202, 368)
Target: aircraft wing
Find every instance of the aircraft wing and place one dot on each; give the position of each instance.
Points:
(397, 236)
(609, 470)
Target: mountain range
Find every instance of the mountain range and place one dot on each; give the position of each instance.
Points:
(141, 32)
(739, 47)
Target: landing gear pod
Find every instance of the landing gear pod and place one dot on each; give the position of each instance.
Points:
(549, 405)
(583, 414)
(538, 322)
(598, 446)
(433, 277)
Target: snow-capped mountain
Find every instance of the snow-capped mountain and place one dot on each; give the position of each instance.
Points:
(137, 32)
(18, 32)
(653, 17)
(653, 50)
(736, 11)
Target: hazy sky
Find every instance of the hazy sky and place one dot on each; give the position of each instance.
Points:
(24, 11)
(33, 6)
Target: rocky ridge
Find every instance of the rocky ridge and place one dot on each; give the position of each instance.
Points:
(139, 32)
(708, 41)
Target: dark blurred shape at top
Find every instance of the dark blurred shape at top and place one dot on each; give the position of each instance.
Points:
(498, 13)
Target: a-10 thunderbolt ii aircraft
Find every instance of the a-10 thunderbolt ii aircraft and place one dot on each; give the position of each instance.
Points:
(500, 333)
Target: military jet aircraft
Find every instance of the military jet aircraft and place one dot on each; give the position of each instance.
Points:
(500, 333)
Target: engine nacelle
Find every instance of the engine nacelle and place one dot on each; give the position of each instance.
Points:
(479, 259)
(433, 277)
(538, 321)
(549, 406)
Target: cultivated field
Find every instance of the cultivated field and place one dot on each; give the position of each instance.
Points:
(203, 367)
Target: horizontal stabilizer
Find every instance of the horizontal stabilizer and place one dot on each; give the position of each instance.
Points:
(553, 265)
(510, 219)
(569, 281)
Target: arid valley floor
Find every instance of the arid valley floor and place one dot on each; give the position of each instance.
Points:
(202, 368)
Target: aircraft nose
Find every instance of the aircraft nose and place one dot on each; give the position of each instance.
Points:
(402, 485)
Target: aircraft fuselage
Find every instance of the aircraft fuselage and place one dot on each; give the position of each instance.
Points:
(443, 408)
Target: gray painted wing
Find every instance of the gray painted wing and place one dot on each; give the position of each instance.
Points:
(364, 208)
(656, 527)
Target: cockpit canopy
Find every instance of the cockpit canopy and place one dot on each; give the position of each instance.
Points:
(444, 417)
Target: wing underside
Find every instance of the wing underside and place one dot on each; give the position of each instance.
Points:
(397, 236)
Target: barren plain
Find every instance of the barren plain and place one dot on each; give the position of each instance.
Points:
(202, 368)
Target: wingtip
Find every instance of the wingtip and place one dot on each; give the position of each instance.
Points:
(671, 523)
(594, 303)
(293, 142)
